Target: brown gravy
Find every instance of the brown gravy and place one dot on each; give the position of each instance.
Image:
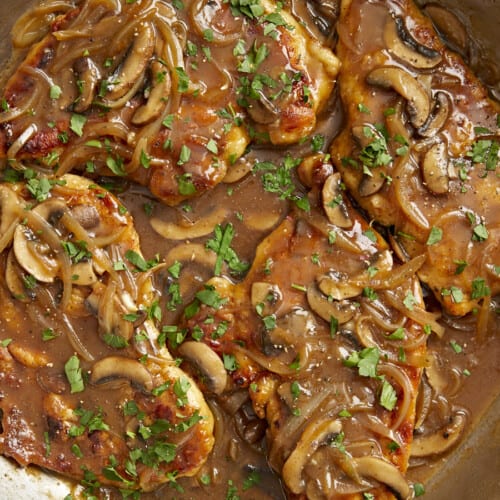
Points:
(472, 375)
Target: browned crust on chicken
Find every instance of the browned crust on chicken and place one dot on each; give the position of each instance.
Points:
(88, 388)
(275, 345)
(148, 95)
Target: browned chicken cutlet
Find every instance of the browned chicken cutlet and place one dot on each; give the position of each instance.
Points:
(322, 282)
(419, 151)
(167, 97)
(87, 388)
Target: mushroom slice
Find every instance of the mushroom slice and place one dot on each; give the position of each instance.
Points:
(86, 215)
(383, 472)
(315, 435)
(119, 367)
(35, 256)
(262, 110)
(371, 184)
(15, 279)
(197, 229)
(135, 64)
(418, 102)
(438, 116)
(343, 310)
(88, 75)
(435, 168)
(266, 296)
(337, 286)
(207, 363)
(157, 99)
(333, 202)
(442, 440)
(401, 44)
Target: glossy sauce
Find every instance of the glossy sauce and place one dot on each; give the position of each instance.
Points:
(234, 459)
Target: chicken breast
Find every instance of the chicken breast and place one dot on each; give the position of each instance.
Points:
(419, 151)
(167, 97)
(328, 334)
(89, 389)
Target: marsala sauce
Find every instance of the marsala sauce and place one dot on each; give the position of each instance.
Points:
(233, 459)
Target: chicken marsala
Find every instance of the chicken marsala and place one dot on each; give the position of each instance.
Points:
(419, 150)
(115, 411)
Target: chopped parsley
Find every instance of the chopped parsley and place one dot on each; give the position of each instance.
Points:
(74, 374)
(221, 245)
(388, 397)
(435, 236)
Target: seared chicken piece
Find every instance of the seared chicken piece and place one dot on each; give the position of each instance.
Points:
(323, 282)
(419, 151)
(169, 98)
(89, 390)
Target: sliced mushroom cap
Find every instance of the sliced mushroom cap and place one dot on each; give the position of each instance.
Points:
(35, 256)
(86, 215)
(158, 95)
(207, 363)
(418, 102)
(371, 184)
(343, 311)
(383, 472)
(400, 43)
(315, 435)
(435, 168)
(197, 229)
(88, 75)
(441, 441)
(263, 111)
(337, 286)
(333, 202)
(293, 326)
(265, 295)
(119, 367)
(15, 280)
(51, 210)
(134, 66)
(437, 117)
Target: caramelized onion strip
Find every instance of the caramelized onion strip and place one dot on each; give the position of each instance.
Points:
(402, 380)
(275, 364)
(35, 23)
(395, 277)
(46, 232)
(417, 314)
(98, 254)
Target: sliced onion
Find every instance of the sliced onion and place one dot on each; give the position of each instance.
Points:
(417, 314)
(276, 365)
(395, 277)
(398, 375)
